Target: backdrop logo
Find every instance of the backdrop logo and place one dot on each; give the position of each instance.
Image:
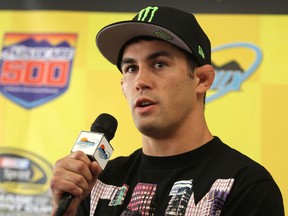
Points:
(233, 73)
(35, 68)
(23, 172)
(24, 182)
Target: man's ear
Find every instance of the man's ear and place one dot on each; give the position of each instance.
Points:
(205, 76)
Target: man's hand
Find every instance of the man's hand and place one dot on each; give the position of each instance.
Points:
(74, 174)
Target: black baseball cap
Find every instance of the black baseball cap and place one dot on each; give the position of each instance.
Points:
(169, 24)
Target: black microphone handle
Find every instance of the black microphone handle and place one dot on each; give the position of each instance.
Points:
(64, 203)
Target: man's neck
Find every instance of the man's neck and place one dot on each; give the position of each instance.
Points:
(184, 140)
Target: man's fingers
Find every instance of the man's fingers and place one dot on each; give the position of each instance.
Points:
(75, 174)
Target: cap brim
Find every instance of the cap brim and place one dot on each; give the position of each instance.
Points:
(111, 39)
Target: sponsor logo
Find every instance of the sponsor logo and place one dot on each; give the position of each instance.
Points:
(147, 14)
(232, 74)
(103, 153)
(35, 68)
(85, 143)
(24, 182)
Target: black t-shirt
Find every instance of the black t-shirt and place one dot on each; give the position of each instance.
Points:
(213, 179)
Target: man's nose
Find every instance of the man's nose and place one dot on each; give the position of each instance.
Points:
(143, 79)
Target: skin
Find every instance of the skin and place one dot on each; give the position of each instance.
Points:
(75, 174)
(155, 73)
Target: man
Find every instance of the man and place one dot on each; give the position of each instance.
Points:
(181, 169)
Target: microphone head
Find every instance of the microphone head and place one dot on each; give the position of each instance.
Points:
(106, 124)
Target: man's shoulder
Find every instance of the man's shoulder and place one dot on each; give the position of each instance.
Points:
(253, 184)
(231, 160)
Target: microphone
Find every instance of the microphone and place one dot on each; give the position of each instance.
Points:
(96, 146)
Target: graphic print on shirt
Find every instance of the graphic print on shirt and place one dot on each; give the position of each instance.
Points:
(182, 202)
(142, 200)
(210, 205)
(181, 193)
(115, 194)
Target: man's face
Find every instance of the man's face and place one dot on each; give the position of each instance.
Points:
(157, 86)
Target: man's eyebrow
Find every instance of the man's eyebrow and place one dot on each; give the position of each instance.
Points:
(149, 57)
(159, 54)
(127, 61)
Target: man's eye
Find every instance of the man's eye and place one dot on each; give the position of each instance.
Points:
(160, 64)
(130, 69)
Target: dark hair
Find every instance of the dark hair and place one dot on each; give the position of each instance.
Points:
(191, 60)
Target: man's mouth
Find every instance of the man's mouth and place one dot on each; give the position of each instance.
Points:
(144, 103)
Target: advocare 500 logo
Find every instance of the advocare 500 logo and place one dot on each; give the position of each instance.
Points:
(35, 68)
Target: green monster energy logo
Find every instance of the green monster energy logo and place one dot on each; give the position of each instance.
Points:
(144, 13)
(201, 52)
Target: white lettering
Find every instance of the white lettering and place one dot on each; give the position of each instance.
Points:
(18, 175)
(38, 53)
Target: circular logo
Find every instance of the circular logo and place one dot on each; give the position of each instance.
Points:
(23, 172)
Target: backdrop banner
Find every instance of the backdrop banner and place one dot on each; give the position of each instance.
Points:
(54, 83)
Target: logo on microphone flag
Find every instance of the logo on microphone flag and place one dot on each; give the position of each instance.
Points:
(36, 68)
(102, 153)
(95, 146)
(85, 143)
